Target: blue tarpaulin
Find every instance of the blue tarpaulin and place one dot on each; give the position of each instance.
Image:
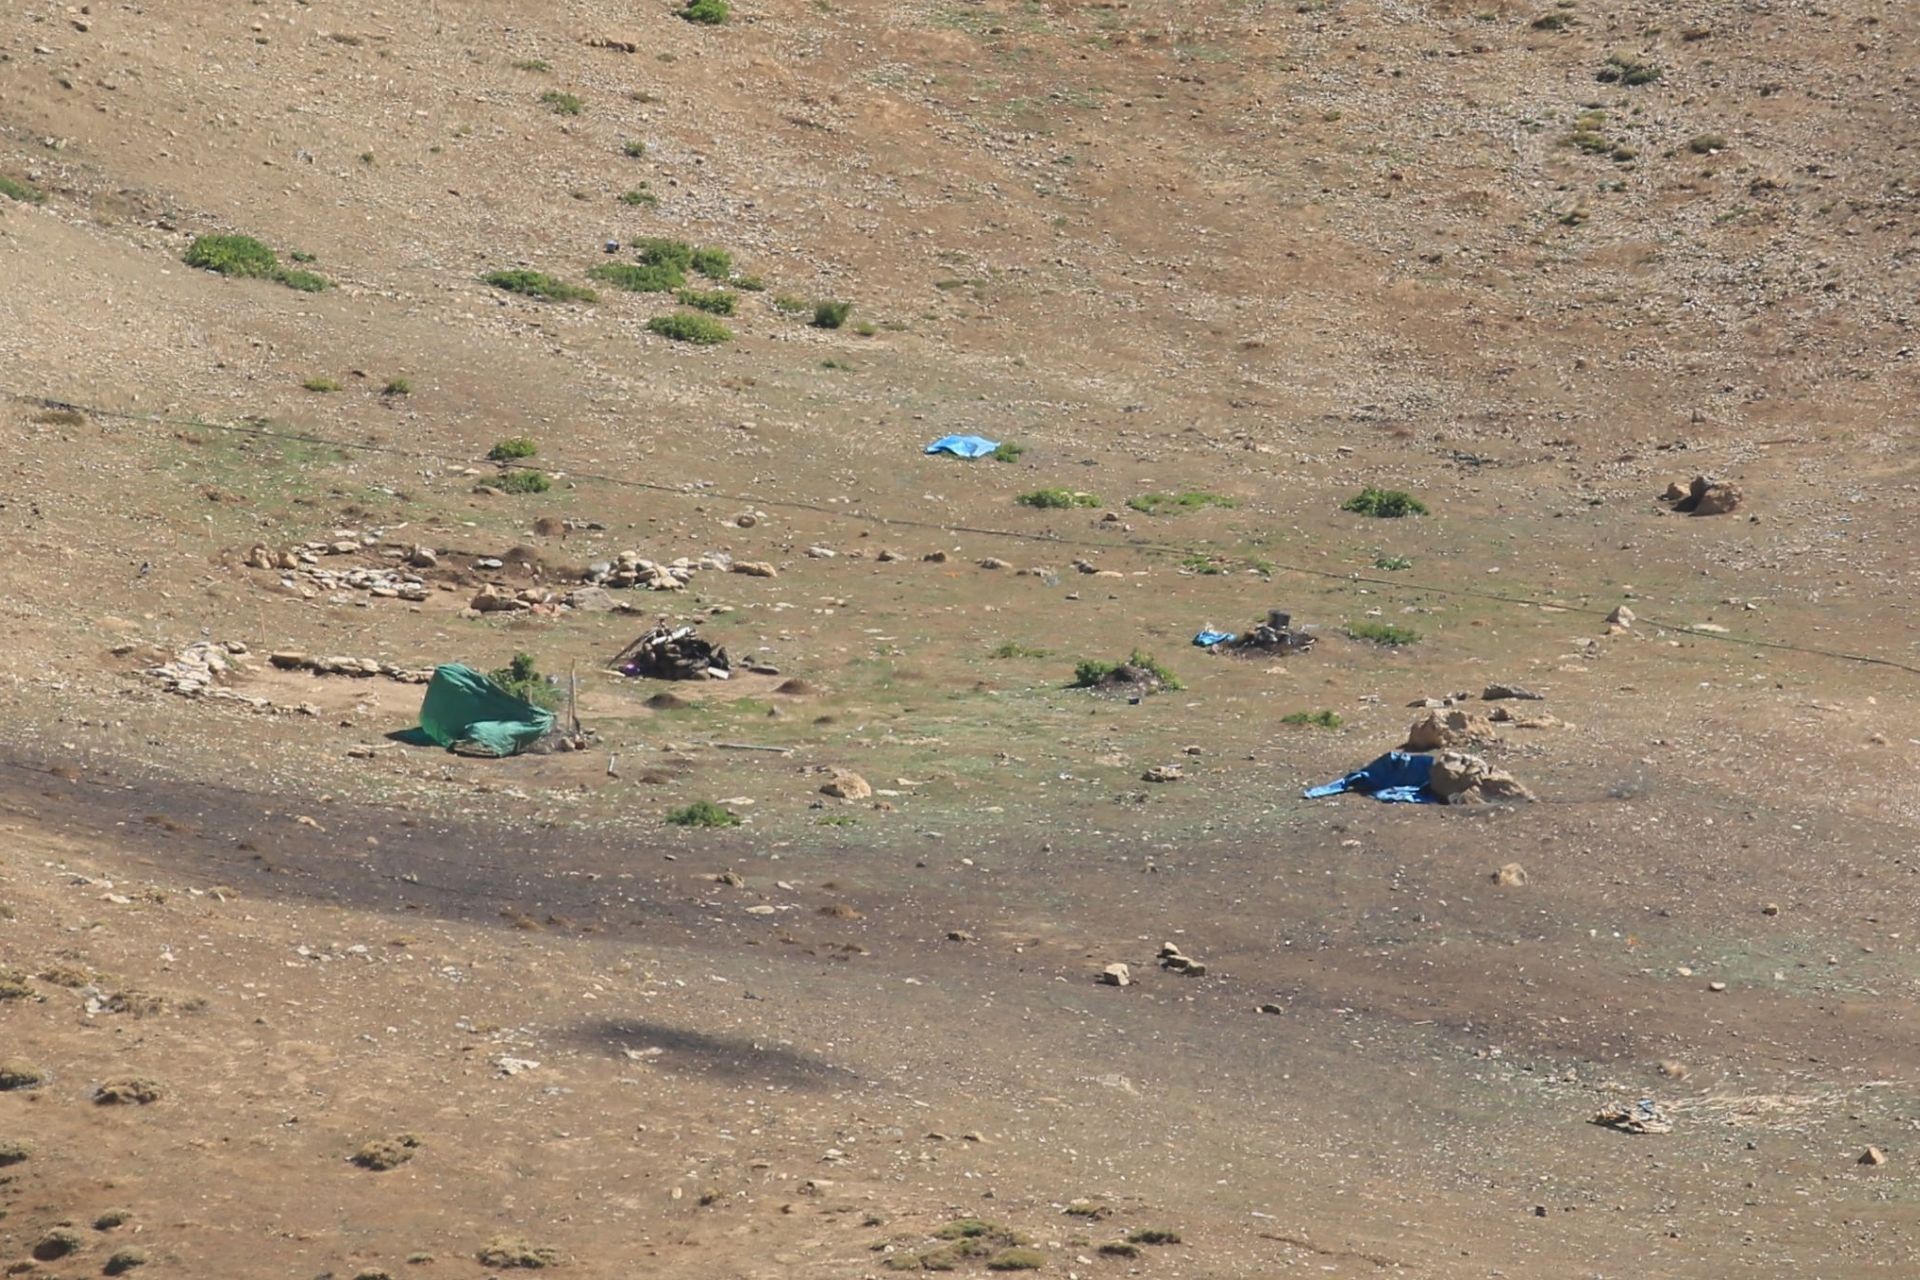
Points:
(1208, 639)
(1398, 777)
(964, 446)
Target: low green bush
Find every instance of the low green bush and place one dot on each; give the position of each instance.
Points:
(830, 315)
(714, 264)
(562, 104)
(707, 13)
(537, 284)
(702, 813)
(1089, 673)
(690, 326)
(523, 480)
(639, 277)
(1154, 504)
(512, 449)
(1385, 504)
(718, 302)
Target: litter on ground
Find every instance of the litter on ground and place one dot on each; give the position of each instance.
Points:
(673, 653)
(964, 446)
(1403, 777)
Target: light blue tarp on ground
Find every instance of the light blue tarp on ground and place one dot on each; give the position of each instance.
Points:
(1398, 777)
(466, 709)
(964, 446)
(1208, 639)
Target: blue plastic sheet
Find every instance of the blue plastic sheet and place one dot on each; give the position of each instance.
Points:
(964, 446)
(1208, 639)
(1398, 777)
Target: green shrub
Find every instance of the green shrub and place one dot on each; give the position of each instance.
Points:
(702, 813)
(1315, 719)
(656, 251)
(708, 13)
(1383, 633)
(752, 284)
(1154, 504)
(301, 255)
(1119, 1249)
(397, 387)
(633, 148)
(866, 329)
(640, 198)
(1008, 452)
(638, 277)
(322, 385)
(537, 284)
(714, 264)
(531, 64)
(124, 1260)
(1707, 144)
(1152, 1235)
(1625, 69)
(830, 315)
(1089, 673)
(689, 326)
(233, 255)
(523, 680)
(1385, 504)
(1057, 499)
(512, 449)
(562, 104)
(523, 480)
(788, 304)
(1392, 563)
(1211, 566)
(1014, 649)
(718, 302)
(15, 190)
(304, 281)
(1017, 1260)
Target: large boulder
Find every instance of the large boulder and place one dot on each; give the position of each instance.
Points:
(847, 785)
(1461, 778)
(1449, 728)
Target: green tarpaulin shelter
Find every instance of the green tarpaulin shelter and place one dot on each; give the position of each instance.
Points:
(467, 710)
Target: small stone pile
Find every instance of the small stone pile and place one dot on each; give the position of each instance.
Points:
(631, 569)
(303, 574)
(357, 668)
(1173, 960)
(200, 667)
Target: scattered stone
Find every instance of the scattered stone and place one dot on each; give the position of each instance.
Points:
(847, 785)
(822, 553)
(1164, 773)
(128, 1089)
(1495, 692)
(1771, 909)
(592, 599)
(422, 557)
(1708, 497)
(755, 569)
(1643, 1117)
(616, 42)
(935, 557)
(382, 1154)
(1716, 986)
(1621, 617)
(887, 555)
(1271, 1008)
(1117, 975)
(1511, 876)
(994, 562)
(1172, 960)
(14, 1152)
(1675, 1070)
(1873, 1156)
(514, 1066)
(512, 1251)
(959, 935)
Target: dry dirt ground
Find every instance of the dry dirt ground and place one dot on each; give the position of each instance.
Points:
(1271, 253)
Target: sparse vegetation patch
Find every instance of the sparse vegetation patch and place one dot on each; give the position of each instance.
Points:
(1057, 499)
(702, 813)
(1383, 633)
(1155, 504)
(538, 284)
(512, 449)
(13, 189)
